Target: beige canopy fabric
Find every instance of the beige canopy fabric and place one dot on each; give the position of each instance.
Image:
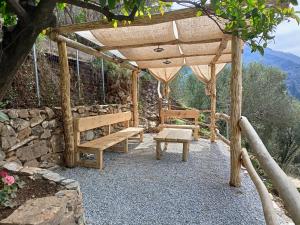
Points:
(196, 42)
(164, 74)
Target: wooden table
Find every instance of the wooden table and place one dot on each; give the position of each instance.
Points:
(175, 136)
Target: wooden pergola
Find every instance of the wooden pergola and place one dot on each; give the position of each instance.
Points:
(209, 48)
(185, 40)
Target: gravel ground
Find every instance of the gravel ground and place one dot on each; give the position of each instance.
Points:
(137, 189)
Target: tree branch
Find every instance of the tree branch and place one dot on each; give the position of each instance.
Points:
(103, 10)
(18, 10)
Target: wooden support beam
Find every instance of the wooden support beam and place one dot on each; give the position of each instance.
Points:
(66, 104)
(134, 89)
(222, 47)
(213, 102)
(161, 44)
(91, 51)
(138, 21)
(235, 111)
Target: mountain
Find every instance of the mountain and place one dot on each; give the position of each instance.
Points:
(287, 62)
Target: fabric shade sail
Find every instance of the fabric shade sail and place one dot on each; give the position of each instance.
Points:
(164, 74)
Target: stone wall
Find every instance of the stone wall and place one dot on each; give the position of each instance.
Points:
(34, 137)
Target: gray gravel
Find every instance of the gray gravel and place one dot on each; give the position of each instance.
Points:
(135, 188)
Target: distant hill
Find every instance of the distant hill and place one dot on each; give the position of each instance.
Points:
(287, 62)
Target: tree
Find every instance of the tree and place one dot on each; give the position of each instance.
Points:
(251, 20)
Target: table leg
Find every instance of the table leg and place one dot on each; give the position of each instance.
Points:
(158, 150)
(185, 151)
(166, 146)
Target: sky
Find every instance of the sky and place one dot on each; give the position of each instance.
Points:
(287, 37)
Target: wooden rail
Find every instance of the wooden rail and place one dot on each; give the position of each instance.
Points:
(267, 204)
(287, 191)
(224, 139)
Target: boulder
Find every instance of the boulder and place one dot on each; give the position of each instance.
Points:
(57, 143)
(36, 121)
(32, 163)
(12, 113)
(46, 134)
(37, 130)
(33, 151)
(25, 133)
(7, 131)
(23, 113)
(50, 113)
(2, 155)
(34, 112)
(8, 142)
(19, 124)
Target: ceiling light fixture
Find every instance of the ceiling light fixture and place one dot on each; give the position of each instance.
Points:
(167, 62)
(158, 49)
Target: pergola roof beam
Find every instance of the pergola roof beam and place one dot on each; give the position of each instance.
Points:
(138, 21)
(222, 47)
(91, 51)
(173, 42)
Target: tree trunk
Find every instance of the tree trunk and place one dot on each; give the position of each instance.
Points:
(17, 44)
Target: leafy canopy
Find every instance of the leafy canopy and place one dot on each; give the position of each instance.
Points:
(254, 21)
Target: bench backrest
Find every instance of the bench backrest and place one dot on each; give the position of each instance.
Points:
(182, 114)
(92, 122)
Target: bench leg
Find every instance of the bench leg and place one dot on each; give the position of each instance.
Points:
(158, 150)
(141, 136)
(99, 159)
(196, 134)
(185, 151)
(126, 146)
(77, 157)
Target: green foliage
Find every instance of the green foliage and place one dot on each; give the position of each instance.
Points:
(8, 17)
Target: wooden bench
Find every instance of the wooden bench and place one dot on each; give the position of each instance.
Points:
(97, 146)
(181, 114)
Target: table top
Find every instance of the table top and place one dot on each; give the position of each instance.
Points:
(174, 135)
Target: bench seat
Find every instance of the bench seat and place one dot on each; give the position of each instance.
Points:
(111, 139)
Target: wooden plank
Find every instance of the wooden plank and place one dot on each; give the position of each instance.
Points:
(92, 122)
(108, 141)
(174, 135)
(235, 112)
(66, 104)
(188, 114)
(138, 21)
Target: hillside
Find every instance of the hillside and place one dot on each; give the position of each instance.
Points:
(287, 62)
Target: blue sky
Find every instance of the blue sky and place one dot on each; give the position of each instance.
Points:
(287, 37)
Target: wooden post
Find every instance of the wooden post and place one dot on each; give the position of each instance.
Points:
(134, 89)
(235, 111)
(213, 102)
(66, 104)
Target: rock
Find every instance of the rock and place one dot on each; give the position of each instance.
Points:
(23, 113)
(30, 170)
(81, 109)
(52, 124)
(40, 211)
(12, 166)
(19, 124)
(12, 113)
(46, 134)
(53, 176)
(32, 163)
(25, 133)
(67, 181)
(2, 155)
(89, 135)
(73, 186)
(8, 131)
(34, 151)
(50, 113)
(57, 143)
(36, 121)
(8, 142)
(45, 124)
(37, 130)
